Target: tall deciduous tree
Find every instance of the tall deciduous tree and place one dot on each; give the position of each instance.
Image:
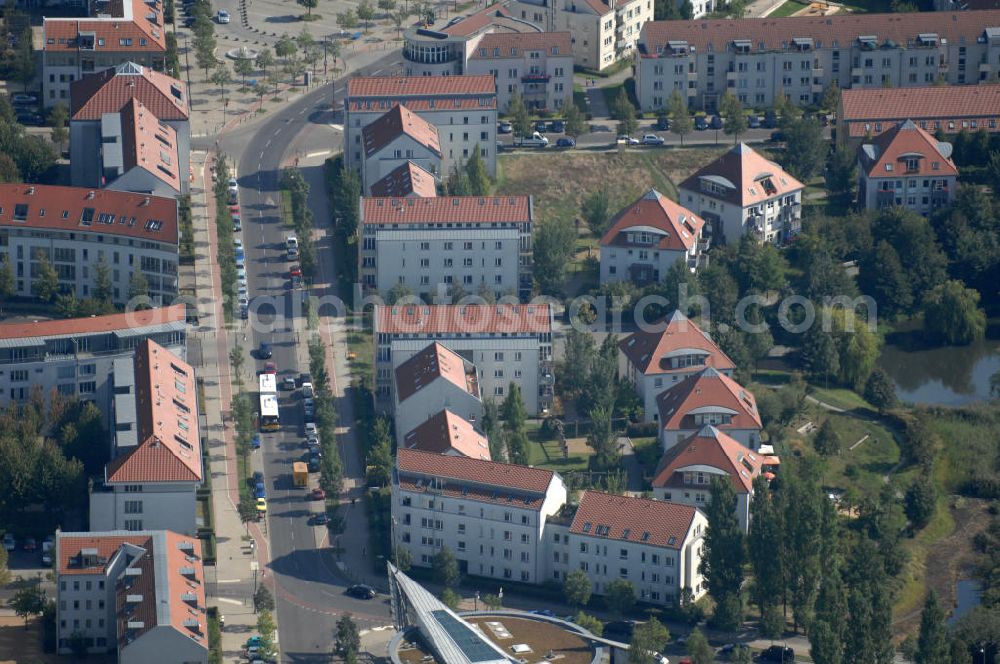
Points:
(577, 588)
(920, 501)
(46, 284)
(932, 644)
(647, 641)
(765, 530)
(58, 117)
(732, 113)
(596, 210)
(519, 115)
(881, 275)
(575, 368)
(475, 170)
(724, 554)
(681, 123)
(348, 636)
(828, 441)
(6, 280)
(553, 247)
(445, 568)
(880, 391)
(806, 148)
(952, 313)
(575, 121)
(698, 648)
(366, 13)
(624, 112)
(619, 595)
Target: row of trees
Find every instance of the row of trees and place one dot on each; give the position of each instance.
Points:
(302, 218)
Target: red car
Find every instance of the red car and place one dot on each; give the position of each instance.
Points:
(269, 367)
(234, 209)
(318, 494)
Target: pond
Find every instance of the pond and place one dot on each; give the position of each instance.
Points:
(949, 376)
(968, 593)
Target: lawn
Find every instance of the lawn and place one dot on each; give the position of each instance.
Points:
(548, 453)
(787, 9)
(840, 398)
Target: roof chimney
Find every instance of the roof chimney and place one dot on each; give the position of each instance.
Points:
(146, 201)
(90, 195)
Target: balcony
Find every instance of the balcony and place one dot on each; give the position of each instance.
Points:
(731, 75)
(816, 88)
(817, 72)
(430, 57)
(857, 72)
(535, 77)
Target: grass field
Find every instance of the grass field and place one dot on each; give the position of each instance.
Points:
(787, 9)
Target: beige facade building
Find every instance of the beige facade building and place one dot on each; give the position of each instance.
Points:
(537, 66)
(708, 397)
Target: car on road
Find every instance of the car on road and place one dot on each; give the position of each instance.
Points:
(320, 519)
(540, 126)
(313, 464)
(258, 476)
(311, 441)
(262, 504)
(317, 494)
(753, 121)
(653, 139)
(535, 141)
(505, 128)
(244, 302)
(311, 429)
(29, 544)
(716, 122)
(234, 197)
(23, 99)
(628, 140)
(259, 490)
(566, 142)
(238, 243)
(264, 351)
(241, 275)
(662, 124)
(781, 654)
(288, 383)
(361, 591)
(548, 613)
(233, 184)
(242, 290)
(237, 223)
(295, 277)
(255, 442)
(222, 16)
(557, 126)
(270, 367)
(700, 123)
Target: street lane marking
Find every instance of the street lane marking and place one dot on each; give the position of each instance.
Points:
(321, 153)
(230, 601)
(230, 581)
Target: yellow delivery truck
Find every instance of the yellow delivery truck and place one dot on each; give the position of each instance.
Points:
(300, 473)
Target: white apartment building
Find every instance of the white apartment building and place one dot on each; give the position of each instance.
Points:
(115, 33)
(76, 357)
(74, 228)
(603, 32)
(463, 108)
(758, 58)
(906, 167)
(669, 351)
(431, 381)
(537, 66)
(430, 245)
(140, 595)
(398, 138)
(653, 544)
(450, 434)
(743, 193)
(490, 515)
(508, 343)
(708, 397)
(156, 467)
(684, 474)
(646, 238)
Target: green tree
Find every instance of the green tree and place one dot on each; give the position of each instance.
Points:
(137, 285)
(724, 554)
(589, 623)
(24, 62)
(247, 509)
(806, 148)
(58, 117)
(596, 210)
(519, 115)
(820, 356)
(204, 46)
(347, 19)
(993, 171)
(880, 391)
(266, 628)
(386, 6)
(451, 599)
(932, 644)
(475, 170)
(619, 596)
(826, 634)
(881, 275)
(828, 441)
(920, 501)
(680, 119)
(9, 172)
(263, 600)
(553, 247)
(513, 411)
(7, 113)
(575, 121)
(309, 5)
(858, 348)
(831, 97)
(801, 502)
(28, 601)
(952, 314)
(698, 648)
(577, 588)
(575, 368)
(843, 170)
(265, 60)
(244, 67)
(602, 439)
(6, 282)
(624, 112)
(379, 471)
(366, 13)
(765, 529)
(103, 289)
(494, 432)
(348, 637)
(46, 284)
(647, 641)
(286, 47)
(445, 568)
(733, 116)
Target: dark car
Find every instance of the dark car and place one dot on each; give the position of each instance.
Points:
(781, 654)
(715, 122)
(557, 127)
(548, 613)
(189, 22)
(777, 136)
(540, 126)
(620, 630)
(264, 352)
(259, 491)
(662, 124)
(753, 121)
(30, 119)
(770, 120)
(320, 519)
(314, 465)
(566, 143)
(258, 476)
(361, 591)
(700, 123)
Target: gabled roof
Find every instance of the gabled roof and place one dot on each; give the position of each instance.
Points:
(649, 351)
(92, 553)
(433, 363)
(486, 210)
(886, 156)
(448, 432)
(473, 23)
(502, 45)
(715, 449)
(169, 448)
(708, 390)
(404, 181)
(636, 520)
(131, 320)
(402, 87)
(120, 26)
(108, 92)
(478, 319)
(474, 471)
(149, 144)
(745, 177)
(92, 211)
(675, 226)
(934, 102)
(400, 121)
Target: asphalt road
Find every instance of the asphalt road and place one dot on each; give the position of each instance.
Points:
(309, 591)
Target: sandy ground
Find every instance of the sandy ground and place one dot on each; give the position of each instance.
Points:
(20, 646)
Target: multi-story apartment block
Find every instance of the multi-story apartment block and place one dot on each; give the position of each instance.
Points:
(648, 237)
(508, 343)
(463, 108)
(435, 379)
(115, 33)
(450, 434)
(603, 32)
(75, 228)
(758, 58)
(444, 51)
(708, 397)
(139, 153)
(684, 474)
(490, 515)
(906, 167)
(96, 104)
(537, 66)
(156, 466)
(478, 244)
(743, 193)
(406, 181)
(948, 109)
(139, 594)
(666, 353)
(397, 138)
(76, 357)
(656, 545)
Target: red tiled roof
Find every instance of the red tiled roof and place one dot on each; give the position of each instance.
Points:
(515, 44)
(628, 519)
(891, 149)
(936, 102)
(71, 544)
(402, 87)
(677, 227)
(474, 22)
(58, 208)
(94, 325)
(744, 175)
(169, 448)
(434, 362)
(405, 180)
(447, 432)
(149, 144)
(648, 351)
(109, 91)
(464, 319)
(475, 471)
(713, 448)
(778, 33)
(396, 122)
(133, 20)
(707, 389)
(447, 210)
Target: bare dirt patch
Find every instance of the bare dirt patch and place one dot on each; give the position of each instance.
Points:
(22, 646)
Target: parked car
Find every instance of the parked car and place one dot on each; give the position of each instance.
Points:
(318, 494)
(233, 184)
(505, 128)
(234, 197)
(222, 16)
(653, 139)
(264, 351)
(262, 504)
(29, 119)
(548, 613)
(770, 120)
(716, 122)
(777, 136)
(535, 141)
(620, 630)
(320, 519)
(258, 476)
(288, 383)
(255, 442)
(628, 140)
(259, 490)
(295, 277)
(190, 21)
(540, 126)
(700, 123)
(782, 654)
(29, 544)
(753, 121)
(557, 126)
(311, 429)
(361, 591)
(237, 223)
(24, 99)
(48, 548)
(662, 124)
(253, 641)
(566, 142)
(270, 367)
(241, 275)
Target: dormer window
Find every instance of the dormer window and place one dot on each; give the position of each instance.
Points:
(912, 164)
